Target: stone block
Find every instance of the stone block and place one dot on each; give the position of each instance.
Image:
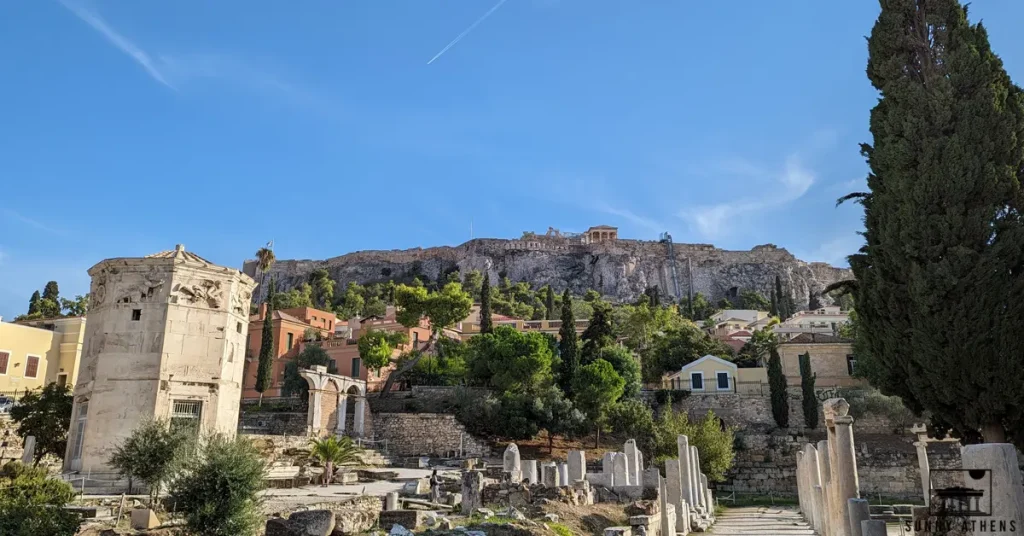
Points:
(511, 462)
(530, 473)
(563, 474)
(313, 522)
(346, 478)
(420, 486)
(472, 491)
(144, 518)
(406, 518)
(618, 531)
(577, 466)
(391, 501)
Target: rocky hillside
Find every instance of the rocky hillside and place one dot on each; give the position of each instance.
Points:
(619, 269)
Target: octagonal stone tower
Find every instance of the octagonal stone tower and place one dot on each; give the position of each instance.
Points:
(165, 339)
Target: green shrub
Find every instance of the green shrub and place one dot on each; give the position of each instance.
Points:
(713, 441)
(871, 401)
(32, 504)
(217, 493)
(150, 454)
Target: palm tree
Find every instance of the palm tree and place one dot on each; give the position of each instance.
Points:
(332, 451)
(265, 257)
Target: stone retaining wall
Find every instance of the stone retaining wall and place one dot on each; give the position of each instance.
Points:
(886, 464)
(426, 434)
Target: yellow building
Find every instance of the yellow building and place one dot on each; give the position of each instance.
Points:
(832, 360)
(38, 352)
(714, 375)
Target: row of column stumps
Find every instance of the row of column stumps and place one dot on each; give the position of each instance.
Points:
(828, 485)
(687, 503)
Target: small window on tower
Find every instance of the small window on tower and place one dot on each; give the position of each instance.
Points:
(136, 314)
(238, 327)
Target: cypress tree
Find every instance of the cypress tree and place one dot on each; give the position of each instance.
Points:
(810, 401)
(780, 300)
(51, 291)
(598, 333)
(33, 303)
(568, 345)
(549, 302)
(939, 281)
(774, 311)
(485, 305)
(265, 369)
(777, 387)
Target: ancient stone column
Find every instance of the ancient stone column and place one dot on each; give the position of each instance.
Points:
(510, 463)
(703, 498)
(472, 491)
(858, 511)
(359, 416)
(391, 501)
(530, 471)
(685, 469)
(874, 527)
(549, 475)
(632, 461)
(801, 491)
(819, 504)
(847, 483)
(922, 463)
(315, 414)
(668, 510)
(812, 482)
(342, 414)
(825, 473)
(620, 471)
(684, 516)
(673, 485)
(695, 478)
(577, 466)
(606, 462)
(563, 475)
(1004, 479)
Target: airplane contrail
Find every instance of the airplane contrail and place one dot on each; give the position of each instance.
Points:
(467, 30)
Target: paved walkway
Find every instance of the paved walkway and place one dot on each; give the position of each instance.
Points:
(761, 521)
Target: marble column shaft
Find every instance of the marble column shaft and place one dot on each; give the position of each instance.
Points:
(686, 469)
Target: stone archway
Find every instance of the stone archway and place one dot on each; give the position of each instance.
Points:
(328, 402)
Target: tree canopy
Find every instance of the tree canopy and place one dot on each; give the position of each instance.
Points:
(45, 414)
(510, 361)
(940, 288)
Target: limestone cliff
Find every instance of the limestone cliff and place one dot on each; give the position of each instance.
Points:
(619, 269)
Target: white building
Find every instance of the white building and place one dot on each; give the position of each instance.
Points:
(825, 320)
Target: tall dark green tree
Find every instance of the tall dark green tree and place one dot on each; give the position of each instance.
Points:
(485, 305)
(265, 369)
(774, 306)
(33, 303)
(568, 345)
(598, 333)
(51, 291)
(941, 277)
(814, 302)
(549, 302)
(780, 300)
(777, 387)
(810, 400)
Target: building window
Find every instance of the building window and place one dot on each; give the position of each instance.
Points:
(83, 411)
(32, 367)
(851, 363)
(723, 380)
(696, 381)
(356, 362)
(238, 327)
(136, 314)
(290, 340)
(186, 415)
(4, 358)
(415, 340)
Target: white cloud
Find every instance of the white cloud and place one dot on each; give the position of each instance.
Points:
(18, 217)
(121, 42)
(788, 185)
(632, 217)
(178, 70)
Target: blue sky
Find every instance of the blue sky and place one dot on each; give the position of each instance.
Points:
(131, 126)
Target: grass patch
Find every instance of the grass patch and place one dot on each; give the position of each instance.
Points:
(560, 529)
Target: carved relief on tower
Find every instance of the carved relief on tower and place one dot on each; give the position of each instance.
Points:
(142, 291)
(200, 292)
(240, 302)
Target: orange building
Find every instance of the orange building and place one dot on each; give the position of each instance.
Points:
(289, 327)
(339, 340)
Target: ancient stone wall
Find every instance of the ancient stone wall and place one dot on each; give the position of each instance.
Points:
(426, 434)
(273, 423)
